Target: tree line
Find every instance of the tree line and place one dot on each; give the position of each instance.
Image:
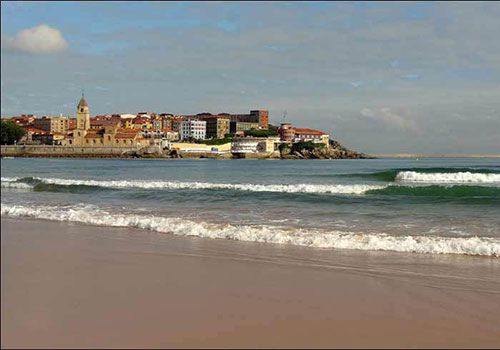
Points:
(10, 132)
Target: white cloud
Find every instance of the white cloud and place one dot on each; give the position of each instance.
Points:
(41, 39)
(388, 116)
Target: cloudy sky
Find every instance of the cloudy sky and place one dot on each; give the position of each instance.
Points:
(379, 77)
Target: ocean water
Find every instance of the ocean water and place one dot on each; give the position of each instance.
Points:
(427, 206)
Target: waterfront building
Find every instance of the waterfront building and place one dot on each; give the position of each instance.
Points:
(108, 135)
(125, 120)
(244, 145)
(51, 124)
(286, 132)
(97, 123)
(193, 129)
(167, 134)
(82, 115)
(29, 133)
(290, 134)
(200, 147)
(260, 117)
(217, 127)
(156, 123)
(310, 135)
(23, 120)
(141, 123)
(234, 127)
(71, 124)
(38, 136)
(176, 123)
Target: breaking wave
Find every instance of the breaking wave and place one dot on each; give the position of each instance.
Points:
(443, 191)
(448, 178)
(288, 188)
(266, 234)
(432, 175)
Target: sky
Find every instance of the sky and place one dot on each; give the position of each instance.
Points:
(388, 77)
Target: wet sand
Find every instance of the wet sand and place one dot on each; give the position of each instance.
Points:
(68, 285)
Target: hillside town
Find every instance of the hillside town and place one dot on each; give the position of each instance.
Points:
(240, 135)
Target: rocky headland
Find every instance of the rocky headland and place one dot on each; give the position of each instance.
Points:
(307, 150)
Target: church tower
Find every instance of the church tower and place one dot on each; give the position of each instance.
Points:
(82, 115)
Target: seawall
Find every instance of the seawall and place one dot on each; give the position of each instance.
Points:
(64, 151)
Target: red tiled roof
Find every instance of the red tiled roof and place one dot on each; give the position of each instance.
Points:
(125, 136)
(91, 134)
(123, 133)
(103, 122)
(125, 130)
(36, 131)
(308, 131)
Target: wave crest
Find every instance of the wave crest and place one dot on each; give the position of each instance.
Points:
(266, 234)
(288, 188)
(447, 178)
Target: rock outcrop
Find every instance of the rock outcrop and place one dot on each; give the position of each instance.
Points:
(307, 150)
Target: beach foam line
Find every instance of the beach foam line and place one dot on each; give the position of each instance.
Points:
(448, 178)
(288, 188)
(93, 215)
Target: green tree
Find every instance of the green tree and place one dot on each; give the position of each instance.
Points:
(260, 133)
(10, 132)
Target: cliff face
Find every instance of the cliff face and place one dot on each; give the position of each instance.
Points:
(311, 151)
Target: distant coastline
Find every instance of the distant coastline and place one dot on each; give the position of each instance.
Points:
(442, 155)
(298, 151)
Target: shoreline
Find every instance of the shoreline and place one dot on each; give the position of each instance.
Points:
(67, 285)
(215, 157)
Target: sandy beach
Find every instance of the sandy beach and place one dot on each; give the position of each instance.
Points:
(68, 285)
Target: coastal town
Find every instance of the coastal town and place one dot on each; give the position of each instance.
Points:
(144, 134)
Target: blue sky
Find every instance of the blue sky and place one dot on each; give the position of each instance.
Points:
(380, 77)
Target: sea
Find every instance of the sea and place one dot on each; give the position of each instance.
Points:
(417, 206)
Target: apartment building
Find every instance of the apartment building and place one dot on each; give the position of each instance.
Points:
(217, 127)
(193, 129)
(52, 124)
(234, 127)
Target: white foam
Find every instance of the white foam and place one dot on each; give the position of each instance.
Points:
(18, 185)
(447, 178)
(9, 179)
(268, 234)
(289, 188)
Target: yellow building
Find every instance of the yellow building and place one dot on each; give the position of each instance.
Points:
(52, 124)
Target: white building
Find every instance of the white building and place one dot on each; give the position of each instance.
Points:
(193, 129)
(255, 144)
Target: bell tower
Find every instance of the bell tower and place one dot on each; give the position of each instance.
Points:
(82, 115)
